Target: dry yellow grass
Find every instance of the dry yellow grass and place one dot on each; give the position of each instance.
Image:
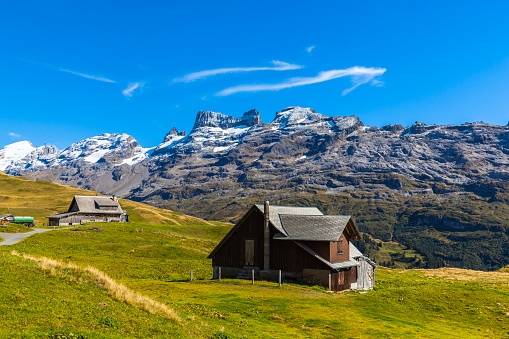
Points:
(117, 291)
(467, 275)
(40, 199)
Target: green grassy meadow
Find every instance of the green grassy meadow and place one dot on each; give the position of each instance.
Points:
(15, 228)
(153, 257)
(156, 262)
(39, 199)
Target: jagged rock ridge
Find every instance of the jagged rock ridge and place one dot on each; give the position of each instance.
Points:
(404, 176)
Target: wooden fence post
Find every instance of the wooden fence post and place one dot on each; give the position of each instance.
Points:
(219, 273)
(279, 278)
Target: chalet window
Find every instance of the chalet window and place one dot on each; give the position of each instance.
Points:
(340, 245)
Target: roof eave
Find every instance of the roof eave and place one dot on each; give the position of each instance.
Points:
(358, 235)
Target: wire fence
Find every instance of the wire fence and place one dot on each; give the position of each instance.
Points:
(160, 230)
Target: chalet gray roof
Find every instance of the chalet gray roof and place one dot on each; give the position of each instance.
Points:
(356, 254)
(334, 265)
(107, 202)
(275, 211)
(354, 251)
(87, 204)
(345, 264)
(62, 215)
(313, 227)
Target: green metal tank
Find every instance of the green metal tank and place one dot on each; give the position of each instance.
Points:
(23, 219)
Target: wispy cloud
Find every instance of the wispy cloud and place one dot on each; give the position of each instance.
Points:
(278, 66)
(83, 75)
(359, 75)
(128, 92)
(310, 48)
(14, 135)
(88, 76)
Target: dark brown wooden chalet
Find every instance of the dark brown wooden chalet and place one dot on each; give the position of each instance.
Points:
(299, 241)
(90, 209)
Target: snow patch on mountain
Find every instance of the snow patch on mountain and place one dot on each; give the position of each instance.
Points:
(14, 152)
(139, 157)
(109, 148)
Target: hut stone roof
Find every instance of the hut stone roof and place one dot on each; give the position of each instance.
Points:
(90, 204)
(276, 211)
(62, 215)
(334, 265)
(313, 227)
(356, 254)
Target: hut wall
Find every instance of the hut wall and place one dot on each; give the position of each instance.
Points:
(285, 255)
(232, 252)
(321, 276)
(333, 250)
(288, 256)
(78, 219)
(74, 206)
(320, 247)
(366, 280)
(342, 280)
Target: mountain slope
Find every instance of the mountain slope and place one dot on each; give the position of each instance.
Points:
(40, 199)
(441, 190)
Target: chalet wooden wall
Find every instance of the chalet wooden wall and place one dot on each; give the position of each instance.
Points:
(320, 247)
(285, 254)
(342, 280)
(334, 250)
(232, 253)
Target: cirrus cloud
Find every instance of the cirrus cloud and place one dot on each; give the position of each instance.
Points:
(131, 87)
(359, 75)
(88, 76)
(278, 66)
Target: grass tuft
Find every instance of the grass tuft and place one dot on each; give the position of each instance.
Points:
(117, 291)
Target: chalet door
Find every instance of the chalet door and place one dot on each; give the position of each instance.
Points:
(249, 252)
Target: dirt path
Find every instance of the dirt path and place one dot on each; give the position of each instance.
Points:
(13, 238)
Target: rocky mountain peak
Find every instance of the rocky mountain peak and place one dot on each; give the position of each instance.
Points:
(174, 133)
(214, 119)
(251, 118)
(296, 118)
(420, 127)
(292, 114)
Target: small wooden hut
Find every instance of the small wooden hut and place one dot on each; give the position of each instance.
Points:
(300, 242)
(90, 209)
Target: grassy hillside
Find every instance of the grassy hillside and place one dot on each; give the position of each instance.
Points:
(113, 282)
(20, 196)
(445, 224)
(443, 303)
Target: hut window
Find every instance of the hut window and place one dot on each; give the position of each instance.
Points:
(340, 245)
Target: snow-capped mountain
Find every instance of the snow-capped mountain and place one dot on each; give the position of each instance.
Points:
(14, 152)
(430, 178)
(212, 132)
(244, 151)
(107, 148)
(299, 134)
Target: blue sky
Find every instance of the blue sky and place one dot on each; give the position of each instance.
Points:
(74, 69)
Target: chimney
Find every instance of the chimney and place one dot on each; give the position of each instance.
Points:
(266, 237)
